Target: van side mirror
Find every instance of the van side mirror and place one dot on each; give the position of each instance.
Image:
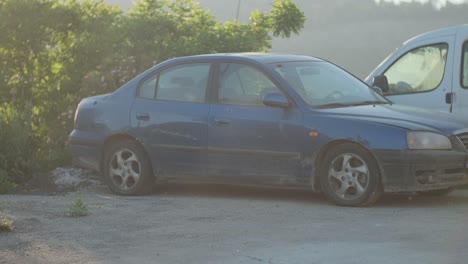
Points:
(381, 81)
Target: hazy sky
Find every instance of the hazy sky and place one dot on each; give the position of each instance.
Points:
(125, 4)
(357, 44)
(436, 3)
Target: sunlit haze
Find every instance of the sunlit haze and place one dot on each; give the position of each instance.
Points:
(436, 3)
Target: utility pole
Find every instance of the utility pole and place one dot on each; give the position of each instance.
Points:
(238, 9)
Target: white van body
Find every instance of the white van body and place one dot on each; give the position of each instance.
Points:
(430, 71)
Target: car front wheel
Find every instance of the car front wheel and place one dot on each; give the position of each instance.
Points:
(350, 176)
(127, 169)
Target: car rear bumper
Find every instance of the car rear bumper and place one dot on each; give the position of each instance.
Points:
(410, 171)
(85, 149)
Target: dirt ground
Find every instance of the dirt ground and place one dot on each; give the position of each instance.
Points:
(225, 224)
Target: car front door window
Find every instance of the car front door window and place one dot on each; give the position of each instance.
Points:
(241, 84)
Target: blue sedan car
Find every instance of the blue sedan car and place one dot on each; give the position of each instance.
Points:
(266, 119)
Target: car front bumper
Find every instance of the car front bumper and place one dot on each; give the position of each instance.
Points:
(422, 170)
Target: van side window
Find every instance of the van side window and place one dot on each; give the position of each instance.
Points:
(419, 70)
(464, 76)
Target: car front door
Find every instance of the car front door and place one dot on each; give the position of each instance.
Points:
(170, 117)
(245, 137)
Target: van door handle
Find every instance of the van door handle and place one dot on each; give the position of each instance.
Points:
(143, 116)
(449, 98)
(221, 122)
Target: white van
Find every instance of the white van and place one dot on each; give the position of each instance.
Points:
(429, 70)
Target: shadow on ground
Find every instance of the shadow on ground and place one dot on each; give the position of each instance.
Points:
(458, 197)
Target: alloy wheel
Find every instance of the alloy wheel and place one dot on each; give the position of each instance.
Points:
(124, 169)
(348, 176)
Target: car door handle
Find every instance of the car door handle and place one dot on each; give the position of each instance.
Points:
(143, 117)
(221, 122)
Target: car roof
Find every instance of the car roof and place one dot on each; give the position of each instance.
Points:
(265, 58)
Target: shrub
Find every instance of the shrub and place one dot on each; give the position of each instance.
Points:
(77, 209)
(17, 147)
(6, 225)
(6, 184)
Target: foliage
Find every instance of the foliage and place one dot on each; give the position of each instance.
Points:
(6, 184)
(16, 158)
(6, 225)
(77, 209)
(285, 18)
(55, 52)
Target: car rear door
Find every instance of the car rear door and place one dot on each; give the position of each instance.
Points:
(245, 137)
(170, 116)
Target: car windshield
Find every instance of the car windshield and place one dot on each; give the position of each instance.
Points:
(324, 85)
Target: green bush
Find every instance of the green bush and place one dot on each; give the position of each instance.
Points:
(70, 49)
(6, 184)
(16, 140)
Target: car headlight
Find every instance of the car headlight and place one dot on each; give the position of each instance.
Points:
(427, 140)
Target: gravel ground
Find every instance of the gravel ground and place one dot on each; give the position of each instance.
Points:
(220, 224)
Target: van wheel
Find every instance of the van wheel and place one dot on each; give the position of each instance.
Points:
(127, 169)
(350, 176)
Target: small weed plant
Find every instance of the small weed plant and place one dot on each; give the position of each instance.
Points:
(78, 209)
(6, 225)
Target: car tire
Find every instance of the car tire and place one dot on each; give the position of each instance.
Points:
(127, 169)
(350, 176)
(440, 192)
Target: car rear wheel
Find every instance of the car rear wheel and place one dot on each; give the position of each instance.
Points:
(441, 192)
(127, 169)
(350, 176)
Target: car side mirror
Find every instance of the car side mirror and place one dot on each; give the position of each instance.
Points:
(276, 99)
(381, 81)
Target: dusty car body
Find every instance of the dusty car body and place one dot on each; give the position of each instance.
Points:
(266, 119)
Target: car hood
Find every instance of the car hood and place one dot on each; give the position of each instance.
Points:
(407, 117)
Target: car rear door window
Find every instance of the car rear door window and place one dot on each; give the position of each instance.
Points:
(148, 88)
(419, 70)
(241, 84)
(183, 83)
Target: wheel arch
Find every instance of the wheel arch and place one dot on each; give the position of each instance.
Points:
(315, 181)
(118, 137)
